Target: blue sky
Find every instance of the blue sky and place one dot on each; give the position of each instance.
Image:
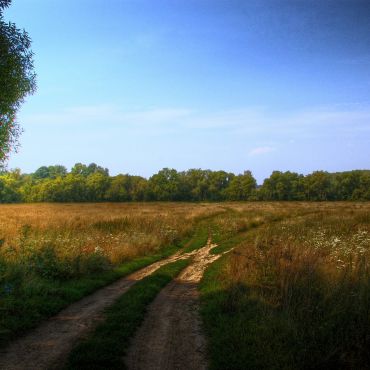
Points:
(138, 85)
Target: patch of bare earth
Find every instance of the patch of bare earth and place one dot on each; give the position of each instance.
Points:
(48, 346)
(171, 336)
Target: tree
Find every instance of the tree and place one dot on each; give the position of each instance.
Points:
(57, 171)
(362, 192)
(283, 186)
(41, 173)
(17, 79)
(50, 172)
(82, 169)
(164, 185)
(139, 186)
(161, 185)
(196, 181)
(241, 187)
(9, 186)
(218, 182)
(96, 186)
(119, 189)
(319, 186)
(345, 183)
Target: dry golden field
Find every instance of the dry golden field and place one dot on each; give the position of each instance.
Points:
(123, 230)
(116, 230)
(293, 291)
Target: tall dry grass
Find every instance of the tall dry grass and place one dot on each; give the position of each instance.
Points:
(308, 279)
(54, 254)
(116, 231)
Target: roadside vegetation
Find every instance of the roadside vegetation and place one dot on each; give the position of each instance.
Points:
(53, 255)
(294, 293)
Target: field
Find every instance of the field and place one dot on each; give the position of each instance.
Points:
(115, 231)
(290, 290)
(52, 255)
(294, 294)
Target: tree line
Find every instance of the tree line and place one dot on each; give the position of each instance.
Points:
(92, 183)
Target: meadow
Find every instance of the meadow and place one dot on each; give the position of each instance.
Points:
(54, 254)
(113, 231)
(292, 291)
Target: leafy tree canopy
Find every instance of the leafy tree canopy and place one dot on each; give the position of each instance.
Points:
(82, 169)
(92, 183)
(17, 79)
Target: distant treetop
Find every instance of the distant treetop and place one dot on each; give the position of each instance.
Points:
(92, 183)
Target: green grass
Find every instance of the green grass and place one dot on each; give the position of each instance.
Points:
(226, 241)
(199, 239)
(105, 348)
(245, 331)
(34, 299)
(223, 245)
(237, 336)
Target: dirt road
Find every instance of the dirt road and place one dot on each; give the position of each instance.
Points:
(47, 346)
(171, 336)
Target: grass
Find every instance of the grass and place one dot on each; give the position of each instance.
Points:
(199, 238)
(105, 348)
(29, 301)
(294, 294)
(117, 231)
(52, 255)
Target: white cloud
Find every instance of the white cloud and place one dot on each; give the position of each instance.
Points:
(257, 122)
(143, 139)
(261, 150)
(104, 115)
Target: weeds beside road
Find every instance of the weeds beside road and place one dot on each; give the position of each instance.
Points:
(294, 294)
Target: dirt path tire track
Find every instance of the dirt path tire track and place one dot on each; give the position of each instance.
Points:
(171, 335)
(48, 346)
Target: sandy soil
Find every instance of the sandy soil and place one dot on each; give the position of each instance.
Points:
(171, 336)
(47, 346)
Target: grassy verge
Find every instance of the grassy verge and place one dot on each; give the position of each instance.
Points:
(198, 240)
(226, 241)
(294, 295)
(237, 337)
(243, 331)
(223, 245)
(105, 348)
(25, 306)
